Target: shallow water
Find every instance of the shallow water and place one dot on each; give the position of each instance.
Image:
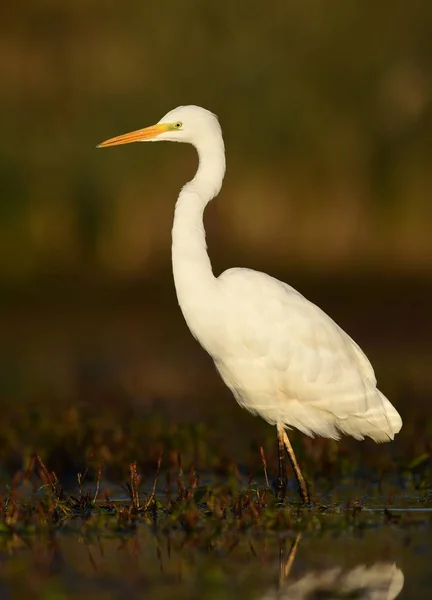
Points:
(89, 561)
(330, 552)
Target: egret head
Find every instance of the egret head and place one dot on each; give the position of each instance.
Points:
(190, 124)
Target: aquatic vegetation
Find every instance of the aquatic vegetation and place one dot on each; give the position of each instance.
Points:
(179, 513)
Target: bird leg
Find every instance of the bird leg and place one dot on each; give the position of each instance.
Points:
(281, 481)
(303, 488)
(285, 565)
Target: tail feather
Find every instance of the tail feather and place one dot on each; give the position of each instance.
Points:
(380, 422)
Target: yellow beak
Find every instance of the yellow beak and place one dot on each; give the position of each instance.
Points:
(140, 135)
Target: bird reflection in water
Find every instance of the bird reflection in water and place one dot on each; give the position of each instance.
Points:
(380, 581)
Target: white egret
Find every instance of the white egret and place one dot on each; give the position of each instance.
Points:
(281, 356)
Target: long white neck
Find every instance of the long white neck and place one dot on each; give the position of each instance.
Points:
(193, 276)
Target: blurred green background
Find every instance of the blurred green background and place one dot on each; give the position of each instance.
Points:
(327, 116)
(325, 108)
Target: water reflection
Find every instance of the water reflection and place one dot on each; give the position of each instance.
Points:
(105, 559)
(380, 581)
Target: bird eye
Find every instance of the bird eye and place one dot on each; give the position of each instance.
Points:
(178, 125)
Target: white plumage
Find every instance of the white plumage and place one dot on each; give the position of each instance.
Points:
(291, 364)
(382, 581)
(282, 357)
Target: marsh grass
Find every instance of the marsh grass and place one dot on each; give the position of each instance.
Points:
(110, 468)
(36, 501)
(182, 519)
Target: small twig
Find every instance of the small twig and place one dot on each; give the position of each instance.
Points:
(30, 467)
(81, 477)
(98, 480)
(135, 481)
(47, 477)
(153, 492)
(264, 462)
(180, 482)
(193, 487)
